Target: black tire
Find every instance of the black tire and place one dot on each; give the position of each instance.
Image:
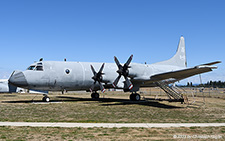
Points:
(137, 97)
(45, 99)
(132, 97)
(92, 96)
(95, 95)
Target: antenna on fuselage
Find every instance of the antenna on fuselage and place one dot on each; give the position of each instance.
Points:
(41, 59)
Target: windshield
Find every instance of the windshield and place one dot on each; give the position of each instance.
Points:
(37, 67)
(31, 68)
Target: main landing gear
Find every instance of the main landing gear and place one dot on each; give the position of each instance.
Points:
(45, 98)
(135, 97)
(95, 95)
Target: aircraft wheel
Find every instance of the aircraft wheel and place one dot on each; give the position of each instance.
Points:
(135, 97)
(46, 99)
(95, 96)
(132, 97)
(92, 95)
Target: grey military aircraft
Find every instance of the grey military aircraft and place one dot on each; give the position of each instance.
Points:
(76, 76)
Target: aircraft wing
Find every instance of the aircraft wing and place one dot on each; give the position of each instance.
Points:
(185, 73)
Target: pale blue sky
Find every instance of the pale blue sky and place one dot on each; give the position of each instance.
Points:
(97, 30)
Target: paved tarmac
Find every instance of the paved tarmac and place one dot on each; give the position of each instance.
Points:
(110, 125)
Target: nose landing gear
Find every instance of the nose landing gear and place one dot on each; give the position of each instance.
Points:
(45, 98)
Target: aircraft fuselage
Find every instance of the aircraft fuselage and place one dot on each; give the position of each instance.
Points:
(72, 76)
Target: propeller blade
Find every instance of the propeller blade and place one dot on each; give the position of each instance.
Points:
(129, 60)
(116, 81)
(117, 62)
(123, 71)
(101, 87)
(93, 70)
(92, 87)
(128, 83)
(97, 77)
(101, 69)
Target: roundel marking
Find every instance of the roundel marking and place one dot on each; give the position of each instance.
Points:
(67, 71)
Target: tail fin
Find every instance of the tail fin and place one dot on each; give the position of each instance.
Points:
(179, 59)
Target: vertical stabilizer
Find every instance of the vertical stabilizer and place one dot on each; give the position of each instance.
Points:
(179, 59)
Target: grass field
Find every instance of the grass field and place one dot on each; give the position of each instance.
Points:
(114, 108)
(33, 133)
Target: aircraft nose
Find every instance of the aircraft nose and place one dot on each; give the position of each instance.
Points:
(18, 79)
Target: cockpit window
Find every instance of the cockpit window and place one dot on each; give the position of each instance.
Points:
(37, 67)
(31, 68)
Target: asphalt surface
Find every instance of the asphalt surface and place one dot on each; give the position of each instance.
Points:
(110, 125)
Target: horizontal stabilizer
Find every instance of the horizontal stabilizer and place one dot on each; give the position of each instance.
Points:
(209, 64)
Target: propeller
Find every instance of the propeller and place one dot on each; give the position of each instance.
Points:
(123, 71)
(97, 78)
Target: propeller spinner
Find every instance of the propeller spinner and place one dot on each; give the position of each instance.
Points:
(123, 71)
(97, 78)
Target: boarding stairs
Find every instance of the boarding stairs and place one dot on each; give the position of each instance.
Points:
(173, 93)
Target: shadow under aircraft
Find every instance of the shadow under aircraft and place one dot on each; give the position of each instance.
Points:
(102, 101)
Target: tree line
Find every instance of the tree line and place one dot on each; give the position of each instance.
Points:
(209, 84)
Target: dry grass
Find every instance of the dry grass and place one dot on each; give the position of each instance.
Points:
(34, 133)
(114, 107)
